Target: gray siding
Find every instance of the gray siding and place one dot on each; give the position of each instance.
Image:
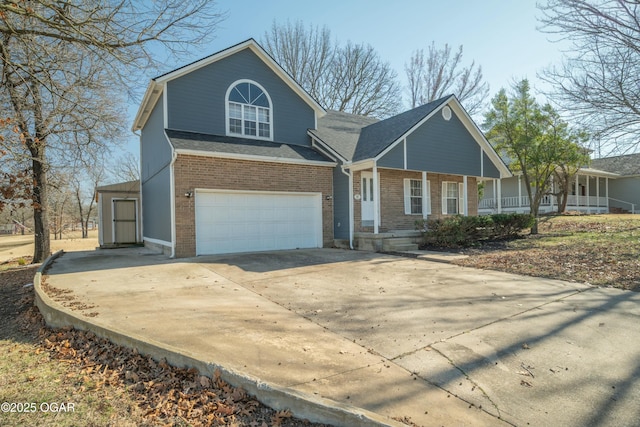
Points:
(444, 147)
(155, 156)
(627, 189)
(394, 158)
(196, 101)
(155, 151)
(156, 206)
(340, 204)
(490, 170)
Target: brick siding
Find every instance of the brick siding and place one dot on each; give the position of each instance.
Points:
(193, 172)
(392, 216)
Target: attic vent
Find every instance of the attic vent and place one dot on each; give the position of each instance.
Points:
(446, 113)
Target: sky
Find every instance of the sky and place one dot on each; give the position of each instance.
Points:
(499, 35)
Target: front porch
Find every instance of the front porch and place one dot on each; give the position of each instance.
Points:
(589, 193)
(549, 204)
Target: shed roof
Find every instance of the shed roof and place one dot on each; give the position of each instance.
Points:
(121, 187)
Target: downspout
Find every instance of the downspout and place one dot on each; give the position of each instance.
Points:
(174, 157)
(350, 176)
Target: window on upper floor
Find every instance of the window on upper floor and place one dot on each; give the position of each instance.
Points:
(249, 111)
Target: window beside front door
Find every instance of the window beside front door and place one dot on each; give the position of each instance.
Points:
(452, 198)
(413, 195)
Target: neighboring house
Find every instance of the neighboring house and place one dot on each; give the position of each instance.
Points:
(611, 184)
(237, 157)
(589, 193)
(624, 192)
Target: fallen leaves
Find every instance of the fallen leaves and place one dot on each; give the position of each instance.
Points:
(166, 395)
(597, 250)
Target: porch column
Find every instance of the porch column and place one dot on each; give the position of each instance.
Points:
(588, 196)
(577, 192)
(465, 196)
(425, 196)
(500, 195)
(606, 192)
(376, 199)
(598, 191)
(495, 194)
(551, 196)
(519, 191)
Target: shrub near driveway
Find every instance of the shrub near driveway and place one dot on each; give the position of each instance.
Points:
(464, 231)
(602, 250)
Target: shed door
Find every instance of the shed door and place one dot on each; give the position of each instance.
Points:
(124, 221)
(244, 221)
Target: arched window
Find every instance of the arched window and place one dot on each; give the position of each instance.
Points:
(249, 111)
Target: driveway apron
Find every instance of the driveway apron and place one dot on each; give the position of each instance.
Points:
(430, 343)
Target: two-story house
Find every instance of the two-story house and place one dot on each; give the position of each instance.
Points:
(236, 156)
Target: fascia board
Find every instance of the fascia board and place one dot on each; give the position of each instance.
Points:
(251, 157)
(149, 100)
(315, 140)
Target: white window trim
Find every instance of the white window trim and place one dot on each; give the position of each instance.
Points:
(460, 198)
(226, 112)
(407, 196)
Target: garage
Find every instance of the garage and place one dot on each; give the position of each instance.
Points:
(248, 221)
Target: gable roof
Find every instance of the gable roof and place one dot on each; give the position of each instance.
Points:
(231, 147)
(375, 138)
(157, 84)
(626, 165)
(358, 138)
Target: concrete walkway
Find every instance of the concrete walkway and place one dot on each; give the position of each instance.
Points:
(355, 338)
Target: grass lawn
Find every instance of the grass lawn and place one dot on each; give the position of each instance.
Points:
(66, 377)
(602, 250)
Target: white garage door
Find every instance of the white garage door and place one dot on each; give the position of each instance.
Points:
(245, 221)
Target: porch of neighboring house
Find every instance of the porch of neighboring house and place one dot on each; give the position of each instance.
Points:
(388, 205)
(589, 194)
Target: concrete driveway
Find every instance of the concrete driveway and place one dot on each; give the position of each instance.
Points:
(412, 340)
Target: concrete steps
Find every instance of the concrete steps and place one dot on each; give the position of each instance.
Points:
(399, 244)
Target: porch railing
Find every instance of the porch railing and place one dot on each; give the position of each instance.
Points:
(625, 203)
(548, 200)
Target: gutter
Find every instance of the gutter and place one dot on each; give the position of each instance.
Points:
(172, 195)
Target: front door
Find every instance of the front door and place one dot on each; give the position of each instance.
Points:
(367, 197)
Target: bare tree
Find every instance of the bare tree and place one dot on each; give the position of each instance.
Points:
(84, 182)
(352, 78)
(306, 54)
(126, 167)
(361, 83)
(59, 58)
(439, 73)
(597, 83)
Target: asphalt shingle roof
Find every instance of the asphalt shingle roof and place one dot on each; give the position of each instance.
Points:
(341, 131)
(378, 136)
(359, 138)
(623, 165)
(182, 140)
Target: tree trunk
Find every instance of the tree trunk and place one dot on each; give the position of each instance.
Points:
(40, 222)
